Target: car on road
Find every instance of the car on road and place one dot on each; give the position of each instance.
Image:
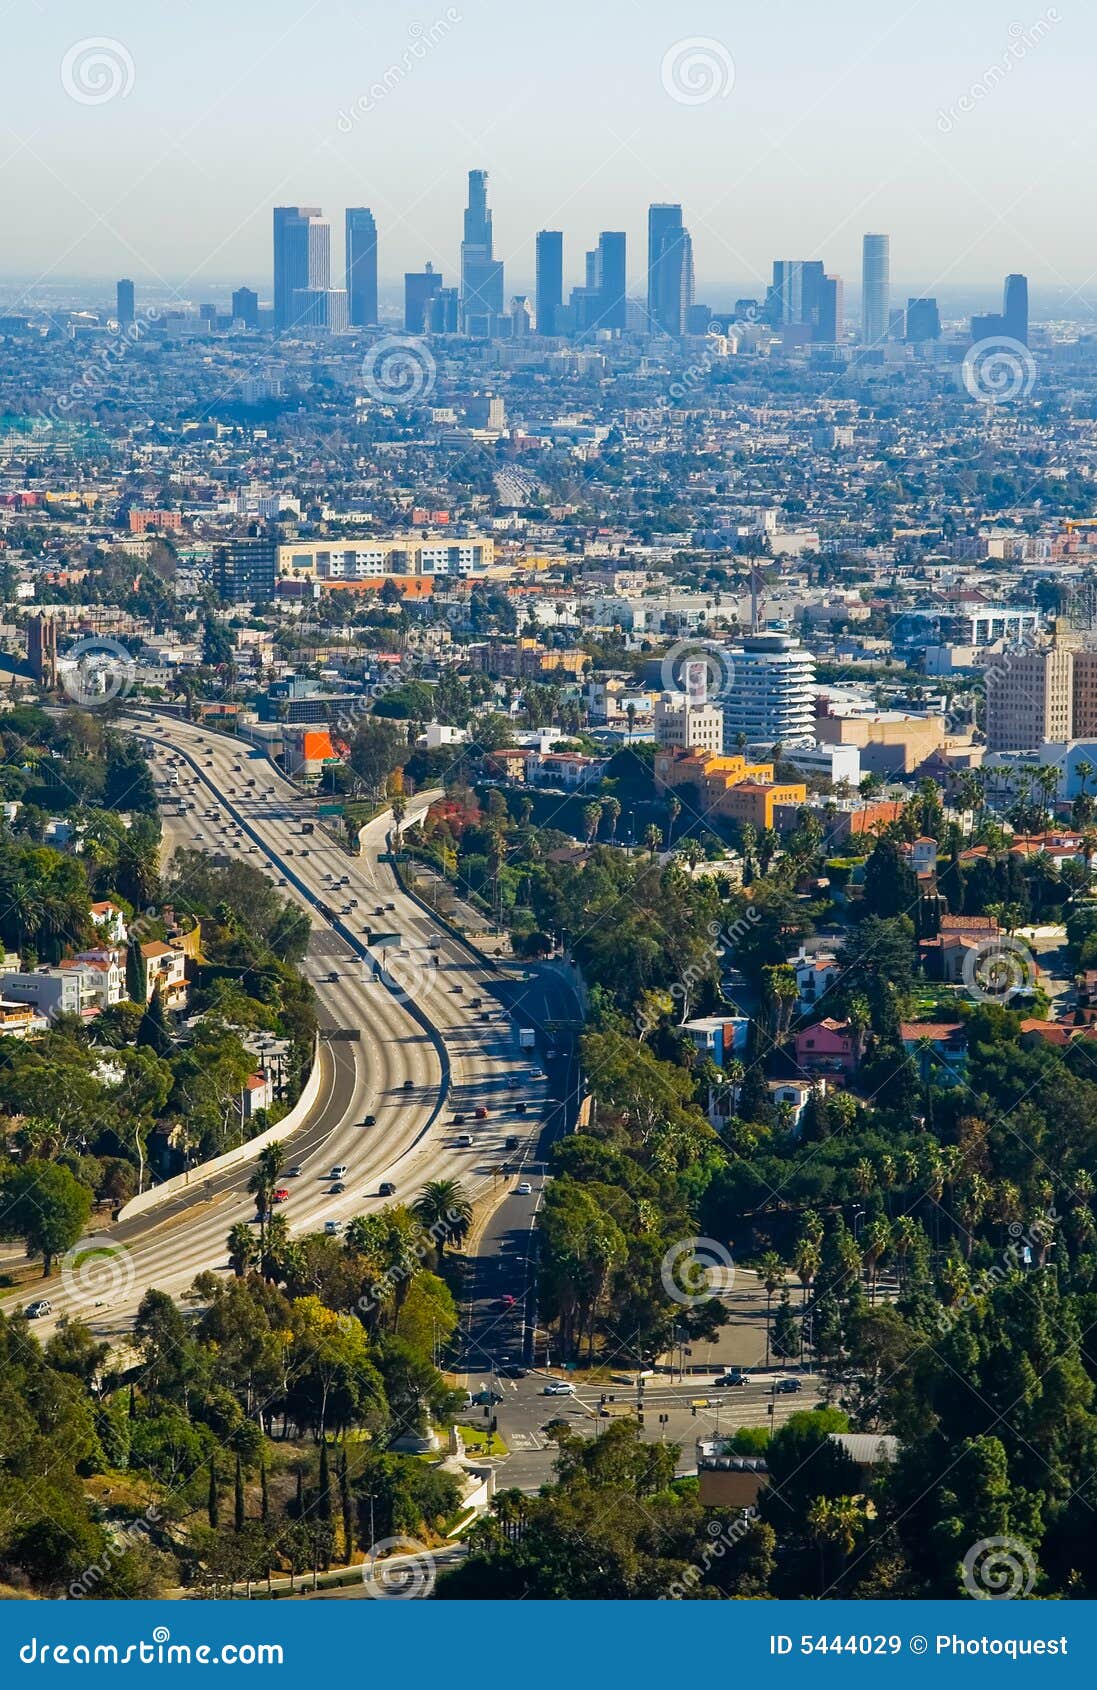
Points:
(511, 1370)
(369, 1120)
(295, 1172)
(458, 1120)
(786, 1387)
(380, 910)
(463, 1140)
(480, 1113)
(281, 1195)
(390, 906)
(511, 1142)
(339, 1171)
(337, 1189)
(536, 1074)
(523, 1189)
(733, 1376)
(35, 1311)
(409, 1085)
(507, 1301)
(486, 1399)
(332, 978)
(386, 1189)
(558, 1388)
(332, 1228)
(519, 1108)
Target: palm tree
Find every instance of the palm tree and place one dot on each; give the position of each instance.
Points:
(592, 817)
(838, 1521)
(652, 839)
(674, 810)
(612, 809)
(805, 1261)
(876, 1246)
(263, 1184)
(243, 1253)
(443, 1208)
(904, 1232)
(771, 1271)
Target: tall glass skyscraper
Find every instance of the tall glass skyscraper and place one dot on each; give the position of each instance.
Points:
(875, 289)
(610, 279)
(302, 256)
(1015, 308)
(361, 253)
(550, 278)
(481, 273)
(670, 269)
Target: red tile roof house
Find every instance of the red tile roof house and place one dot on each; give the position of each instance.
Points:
(943, 956)
(938, 1047)
(828, 1046)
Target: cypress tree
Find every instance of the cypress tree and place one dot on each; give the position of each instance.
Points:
(153, 1029)
(135, 973)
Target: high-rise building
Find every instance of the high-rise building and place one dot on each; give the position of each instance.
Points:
(244, 569)
(302, 256)
(923, 321)
(550, 278)
(773, 696)
(361, 256)
(1030, 694)
(670, 270)
(801, 293)
(321, 308)
(245, 307)
(828, 324)
(875, 289)
(421, 289)
(610, 279)
(1015, 308)
(481, 272)
(124, 305)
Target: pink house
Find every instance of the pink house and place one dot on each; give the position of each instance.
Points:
(827, 1046)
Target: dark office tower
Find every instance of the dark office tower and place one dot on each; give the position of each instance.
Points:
(875, 289)
(421, 289)
(923, 321)
(988, 325)
(550, 278)
(670, 270)
(828, 322)
(124, 309)
(244, 570)
(302, 256)
(481, 274)
(1015, 308)
(361, 251)
(610, 279)
(245, 307)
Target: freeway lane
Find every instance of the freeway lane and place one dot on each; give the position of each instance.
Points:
(399, 1069)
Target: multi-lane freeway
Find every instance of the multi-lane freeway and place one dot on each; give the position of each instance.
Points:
(432, 1039)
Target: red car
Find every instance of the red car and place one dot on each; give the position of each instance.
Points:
(481, 1114)
(281, 1195)
(508, 1302)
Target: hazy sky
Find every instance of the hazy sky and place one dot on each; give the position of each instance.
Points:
(823, 121)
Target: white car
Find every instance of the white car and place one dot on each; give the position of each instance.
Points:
(523, 1189)
(536, 1074)
(558, 1388)
(339, 1170)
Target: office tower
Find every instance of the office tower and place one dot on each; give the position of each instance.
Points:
(124, 308)
(421, 287)
(245, 307)
(481, 273)
(670, 270)
(774, 693)
(1015, 308)
(361, 257)
(321, 308)
(923, 321)
(521, 317)
(550, 278)
(445, 311)
(828, 324)
(987, 325)
(302, 256)
(875, 289)
(1030, 695)
(244, 570)
(610, 279)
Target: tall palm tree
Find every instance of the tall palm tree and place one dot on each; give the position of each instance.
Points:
(243, 1252)
(771, 1272)
(444, 1210)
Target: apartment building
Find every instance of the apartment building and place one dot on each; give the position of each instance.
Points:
(1030, 693)
(684, 726)
(353, 559)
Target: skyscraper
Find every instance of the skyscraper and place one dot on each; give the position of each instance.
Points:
(245, 307)
(481, 274)
(361, 255)
(875, 289)
(610, 279)
(670, 270)
(302, 256)
(421, 289)
(124, 306)
(923, 320)
(1015, 308)
(801, 293)
(550, 278)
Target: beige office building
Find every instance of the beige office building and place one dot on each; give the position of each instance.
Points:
(682, 726)
(1031, 695)
(1085, 694)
